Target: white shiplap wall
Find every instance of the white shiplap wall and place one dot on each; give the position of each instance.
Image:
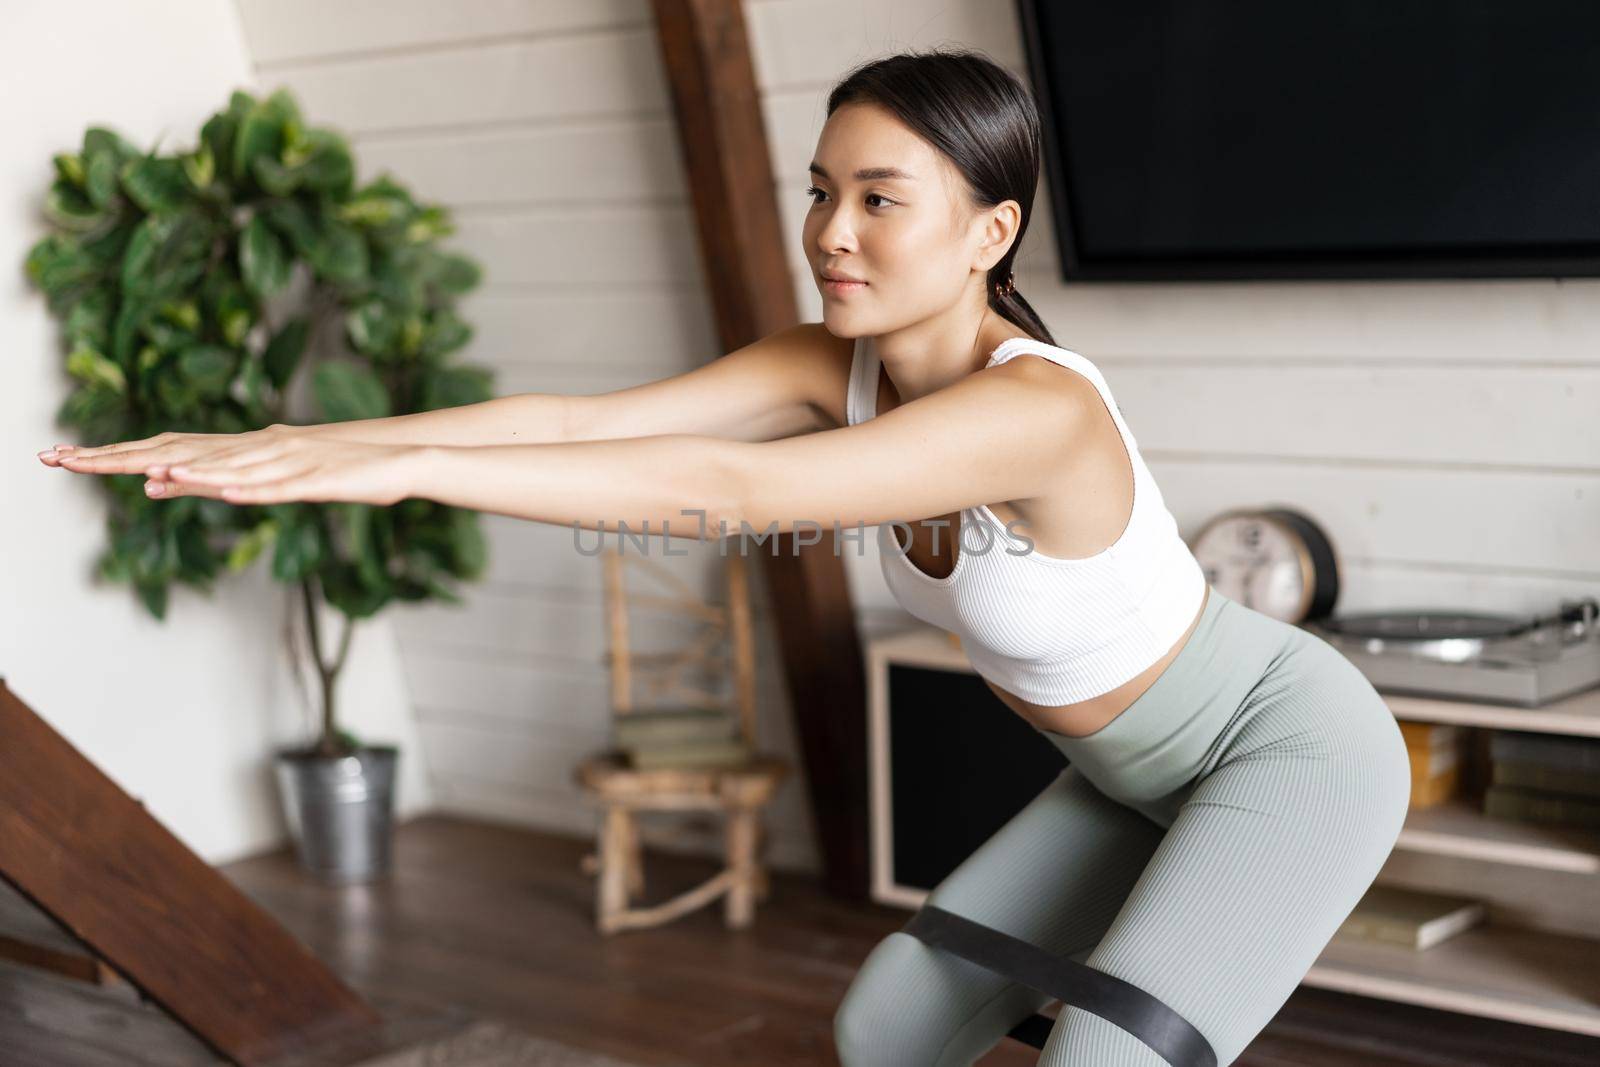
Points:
(1442, 432)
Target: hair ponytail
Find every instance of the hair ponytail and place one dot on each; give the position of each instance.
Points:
(1007, 300)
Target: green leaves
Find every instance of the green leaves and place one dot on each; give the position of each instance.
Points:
(200, 168)
(454, 386)
(321, 160)
(83, 199)
(299, 545)
(453, 275)
(70, 166)
(209, 368)
(156, 185)
(373, 328)
(247, 548)
(260, 131)
(267, 142)
(284, 351)
(345, 391)
(70, 208)
(166, 255)
(88, 323)
(99, 141)
(87, 365)
(170, 274)
(61, 266)
(228, 305)
(469, 549)
(263, 260)
(339, 254)
(444, 334)
(335, 251)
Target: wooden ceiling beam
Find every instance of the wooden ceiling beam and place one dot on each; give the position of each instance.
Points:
(717, 102)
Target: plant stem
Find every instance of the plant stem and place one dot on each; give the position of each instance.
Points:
(329, 744)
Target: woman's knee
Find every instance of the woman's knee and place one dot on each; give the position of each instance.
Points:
(914, 1006)
(863, 1035)
(866, 1022)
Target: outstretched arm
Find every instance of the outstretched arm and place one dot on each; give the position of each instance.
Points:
(999, 434)
(766, 389)
(788, 382)
(529, 418)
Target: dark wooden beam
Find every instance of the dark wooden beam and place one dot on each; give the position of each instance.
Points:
(92, 858)
(718, 105)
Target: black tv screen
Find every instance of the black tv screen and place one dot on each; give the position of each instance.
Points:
(1192, 139)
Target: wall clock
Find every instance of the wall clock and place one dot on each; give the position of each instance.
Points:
(1274, 560)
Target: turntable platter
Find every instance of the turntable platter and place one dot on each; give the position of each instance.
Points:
(1425, 625)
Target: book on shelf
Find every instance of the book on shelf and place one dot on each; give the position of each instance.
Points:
(1435, 735)
(1435, 752)
(677, 725)
(690, 755)
(1533, 805)
(1547, 779)
(1552, 750)
(1412, 917)
(1430, 790)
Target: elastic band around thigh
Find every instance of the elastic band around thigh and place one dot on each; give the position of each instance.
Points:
(1119, 1002)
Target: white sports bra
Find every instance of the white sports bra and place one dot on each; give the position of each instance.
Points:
(1053, 631)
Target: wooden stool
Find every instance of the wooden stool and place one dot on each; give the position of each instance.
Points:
(622, 790)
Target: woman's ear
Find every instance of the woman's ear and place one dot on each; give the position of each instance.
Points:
(1000, 224)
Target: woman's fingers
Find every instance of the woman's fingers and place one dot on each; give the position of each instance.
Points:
(166, 486)
(125, 457)
(162, 489)
(120, 446)
(131, 461)
(154, 459)
(51, 457)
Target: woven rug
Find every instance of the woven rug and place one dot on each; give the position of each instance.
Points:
(489, 1044)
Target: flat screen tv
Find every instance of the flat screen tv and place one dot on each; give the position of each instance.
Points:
(1194, 139)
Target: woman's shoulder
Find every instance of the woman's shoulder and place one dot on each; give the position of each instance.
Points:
(814, 341)
(1046, 365)
(823, 359)
(1008, 349)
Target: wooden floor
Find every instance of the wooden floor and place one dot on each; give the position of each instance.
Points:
(490, 921)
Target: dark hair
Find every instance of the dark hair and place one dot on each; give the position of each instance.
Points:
(983, 119)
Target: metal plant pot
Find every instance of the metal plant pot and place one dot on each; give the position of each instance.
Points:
(340, 811)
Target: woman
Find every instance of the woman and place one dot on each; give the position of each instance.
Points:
(1233, 783)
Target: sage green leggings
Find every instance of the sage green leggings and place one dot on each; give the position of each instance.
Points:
(1203, 845)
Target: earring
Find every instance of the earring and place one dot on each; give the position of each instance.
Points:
(1009, 286)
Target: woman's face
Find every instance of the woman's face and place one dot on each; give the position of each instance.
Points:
(889, 210)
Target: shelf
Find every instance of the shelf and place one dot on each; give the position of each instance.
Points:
(1460, 828)
(1577, 714)
(1522, 976)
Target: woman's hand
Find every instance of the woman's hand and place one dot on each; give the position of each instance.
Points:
(269, 466)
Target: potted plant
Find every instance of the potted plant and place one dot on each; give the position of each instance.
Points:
(196, 290)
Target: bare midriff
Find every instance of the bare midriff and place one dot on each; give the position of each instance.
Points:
(1087, 716)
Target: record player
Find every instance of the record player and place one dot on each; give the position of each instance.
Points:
(1490, 658)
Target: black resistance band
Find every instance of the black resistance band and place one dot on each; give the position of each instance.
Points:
(1172, 1036)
